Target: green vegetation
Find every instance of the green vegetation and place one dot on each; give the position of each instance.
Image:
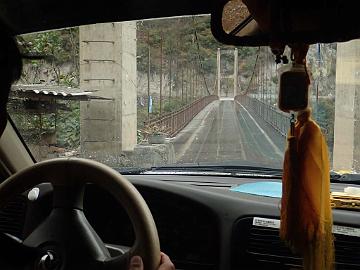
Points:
(68, 126)
(58, 49)
(36, 127)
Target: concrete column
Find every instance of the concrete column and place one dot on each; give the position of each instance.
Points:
(218, 71)
(236, 67)
(108, 66)
(347, 107)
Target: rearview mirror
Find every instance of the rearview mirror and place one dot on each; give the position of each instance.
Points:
(265, 22)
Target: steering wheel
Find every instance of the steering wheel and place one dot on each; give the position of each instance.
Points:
(65, 239)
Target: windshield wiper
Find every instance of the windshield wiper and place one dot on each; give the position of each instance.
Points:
(132, 170)
(226, 170)
(346, 178)
(230, 170)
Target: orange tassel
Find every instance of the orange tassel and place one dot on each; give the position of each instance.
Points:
(306, 217)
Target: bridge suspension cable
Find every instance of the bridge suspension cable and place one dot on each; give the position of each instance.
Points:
(198, 56)
(252, 73)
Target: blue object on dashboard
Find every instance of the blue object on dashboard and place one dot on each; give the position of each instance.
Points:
(265, 188)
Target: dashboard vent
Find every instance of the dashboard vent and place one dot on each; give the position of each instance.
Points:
(261, 247)
(265, 246)
(12, 216)
(347, 251)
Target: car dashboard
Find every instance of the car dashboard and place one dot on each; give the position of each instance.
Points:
(202, 224)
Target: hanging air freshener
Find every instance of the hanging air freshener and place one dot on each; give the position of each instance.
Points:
(293, 93)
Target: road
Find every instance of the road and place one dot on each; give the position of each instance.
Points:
(228, 133)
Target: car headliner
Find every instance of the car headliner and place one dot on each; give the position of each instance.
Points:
(26, 16)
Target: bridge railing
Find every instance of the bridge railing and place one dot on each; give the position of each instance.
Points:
(171, 123)
(279, 120)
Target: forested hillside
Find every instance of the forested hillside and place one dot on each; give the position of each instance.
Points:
(187, 47)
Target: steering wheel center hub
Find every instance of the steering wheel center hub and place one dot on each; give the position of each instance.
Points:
(49, 261)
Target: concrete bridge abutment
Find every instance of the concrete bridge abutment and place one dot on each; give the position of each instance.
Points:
(108, 126)
(347, 107)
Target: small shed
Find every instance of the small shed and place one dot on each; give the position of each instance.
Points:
(35, 109)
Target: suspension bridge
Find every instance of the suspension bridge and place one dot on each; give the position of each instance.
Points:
(227, 127)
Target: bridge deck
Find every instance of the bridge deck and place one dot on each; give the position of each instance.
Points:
(228, 132)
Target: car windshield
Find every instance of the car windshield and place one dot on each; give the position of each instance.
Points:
(165, 92)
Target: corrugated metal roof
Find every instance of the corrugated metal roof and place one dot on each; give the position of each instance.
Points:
(52, 91)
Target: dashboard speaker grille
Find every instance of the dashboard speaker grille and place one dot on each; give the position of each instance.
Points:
(12, 216)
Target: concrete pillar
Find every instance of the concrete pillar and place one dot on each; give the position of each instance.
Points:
(347, 107)
(218, 62)
(108, 66)
(236, 67)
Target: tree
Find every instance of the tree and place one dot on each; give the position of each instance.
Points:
(58, 48)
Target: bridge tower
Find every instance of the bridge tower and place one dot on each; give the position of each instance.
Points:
(233, 76)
